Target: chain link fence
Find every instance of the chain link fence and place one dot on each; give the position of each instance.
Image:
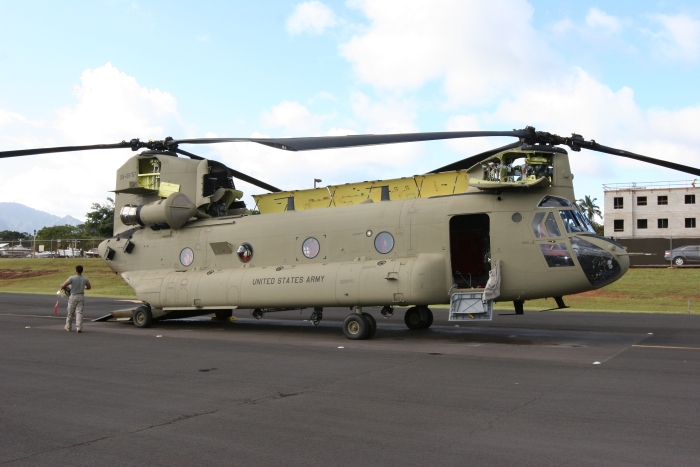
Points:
(655, 249)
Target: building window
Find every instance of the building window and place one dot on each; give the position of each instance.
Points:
(618, 203)
(641, 223)
(689, 222)
(662, 200)
(619, 225)
(642, 201)
(663, 223)
(689, 199)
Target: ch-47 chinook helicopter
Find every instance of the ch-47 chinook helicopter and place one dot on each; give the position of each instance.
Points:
(500, 225)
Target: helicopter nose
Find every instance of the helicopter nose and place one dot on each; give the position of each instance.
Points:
(602, 260)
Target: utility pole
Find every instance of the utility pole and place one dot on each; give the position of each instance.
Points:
(34, 245)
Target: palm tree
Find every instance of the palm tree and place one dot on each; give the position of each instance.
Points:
(589, 208)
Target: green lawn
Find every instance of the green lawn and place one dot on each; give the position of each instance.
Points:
(660, 290)
(45, 276)
(656, 290)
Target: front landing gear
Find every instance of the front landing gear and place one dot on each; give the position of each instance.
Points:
(418, 317)
(359, 326)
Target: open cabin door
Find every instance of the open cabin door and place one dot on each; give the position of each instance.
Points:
(470, 250)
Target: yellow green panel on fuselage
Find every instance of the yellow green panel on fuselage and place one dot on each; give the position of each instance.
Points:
(420, 186)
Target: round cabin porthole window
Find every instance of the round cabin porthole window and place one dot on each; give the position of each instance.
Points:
(310, 247)
(186, 256)
(384, 242)
(245, 252)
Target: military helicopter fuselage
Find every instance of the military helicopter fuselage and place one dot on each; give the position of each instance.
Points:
(397, 252)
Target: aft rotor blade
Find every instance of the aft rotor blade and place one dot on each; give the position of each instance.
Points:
(254, 181)
(471, 160)
(235, 173)
(31, 152)
(593, 146)
(350, 141)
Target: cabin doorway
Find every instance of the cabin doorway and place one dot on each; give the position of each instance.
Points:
(470, 250)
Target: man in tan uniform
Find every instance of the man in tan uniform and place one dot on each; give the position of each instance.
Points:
(76, 301)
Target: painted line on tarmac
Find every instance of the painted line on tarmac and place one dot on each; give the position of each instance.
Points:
(32, 316)
(666, 347)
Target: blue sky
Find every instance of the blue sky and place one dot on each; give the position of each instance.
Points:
(623, 73)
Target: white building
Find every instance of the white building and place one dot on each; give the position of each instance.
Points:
(652, 210)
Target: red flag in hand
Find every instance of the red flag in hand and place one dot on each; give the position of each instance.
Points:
(55, 308)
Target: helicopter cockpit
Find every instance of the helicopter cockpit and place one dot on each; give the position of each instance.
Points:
(600, 265)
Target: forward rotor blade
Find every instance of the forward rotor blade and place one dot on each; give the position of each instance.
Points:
(31, 152)
(471, 160)
(188, 154)
(350, 141)
(593, 146)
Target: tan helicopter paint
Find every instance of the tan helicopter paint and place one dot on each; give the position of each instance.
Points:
(348, 270)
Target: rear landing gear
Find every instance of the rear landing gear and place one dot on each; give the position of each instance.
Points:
(418, 317)
(355, 327)
(359, 326)
(142, 317)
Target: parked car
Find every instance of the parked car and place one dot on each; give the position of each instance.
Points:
(683, 255)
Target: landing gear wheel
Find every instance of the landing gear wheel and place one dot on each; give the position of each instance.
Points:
(429, 321)
(143, 317)
(355, 327)
(372, 325)
(678, 261)
(412, 318)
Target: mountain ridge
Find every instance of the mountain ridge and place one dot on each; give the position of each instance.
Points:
(21, 218)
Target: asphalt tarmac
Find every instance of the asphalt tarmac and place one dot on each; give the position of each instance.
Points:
(546, 388)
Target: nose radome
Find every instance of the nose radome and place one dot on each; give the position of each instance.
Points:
(602, 260)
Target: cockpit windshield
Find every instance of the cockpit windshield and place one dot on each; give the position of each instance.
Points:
(571, 222)
(554, 202)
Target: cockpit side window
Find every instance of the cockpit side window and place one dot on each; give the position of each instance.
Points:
(545, 226)
(537, 227)
(552, 227)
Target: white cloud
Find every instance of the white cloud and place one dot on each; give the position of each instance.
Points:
(393, 116)
(679, 38)
(110, 107)
(598, 19)
(479, 50)
(312, 17)
(294, 118)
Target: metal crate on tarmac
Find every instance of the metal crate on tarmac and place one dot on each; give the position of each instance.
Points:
(467, 306)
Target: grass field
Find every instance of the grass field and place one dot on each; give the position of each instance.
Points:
(45, 276)
(653, 290)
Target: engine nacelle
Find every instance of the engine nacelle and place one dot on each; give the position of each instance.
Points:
(175, 210)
